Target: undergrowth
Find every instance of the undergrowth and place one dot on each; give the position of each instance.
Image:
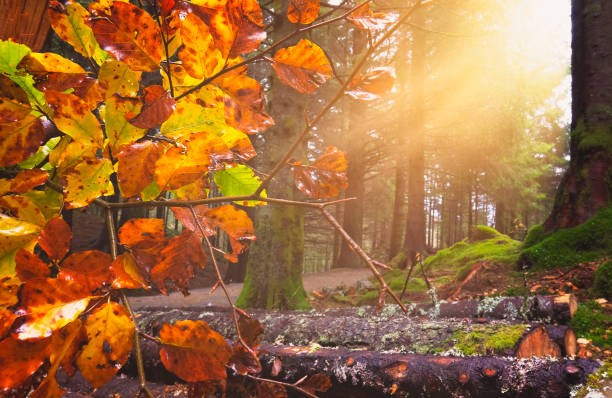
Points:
(590, 321)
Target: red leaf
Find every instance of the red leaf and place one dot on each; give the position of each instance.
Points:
(55, 238)
(90, 268)
(19, 360)
(136, 167)
(324, 177)
(29, 266)
(157, 108)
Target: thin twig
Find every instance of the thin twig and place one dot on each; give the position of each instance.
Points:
(364, 256)
(338, 95)
(112, 237)
(281, 383)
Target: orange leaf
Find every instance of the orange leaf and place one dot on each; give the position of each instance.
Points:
(138, 230)
(91, 92)
(193, 191)
(200, 57)
(178, 261)
(372, 85)
(29, 266)
(110, 333)
(14, 103)
(245, 104)
(24, 181)
(90, 269)
(324, 177)
(130, 35)
(365, 19)
(19, 360)
(19, 140)
(53, 72)
(9, 287)
(193, 351)
(157, 108)
(55, 238)
(303, 66)
(136, 167)
(7, 318)
(127, 274)
(13, 91)
(49, 304)
(303, 11)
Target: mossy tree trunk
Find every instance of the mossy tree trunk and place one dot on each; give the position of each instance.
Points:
(274, 268)
(587, 185)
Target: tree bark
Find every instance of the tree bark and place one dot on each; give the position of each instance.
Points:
(585, 187)
(24, 21)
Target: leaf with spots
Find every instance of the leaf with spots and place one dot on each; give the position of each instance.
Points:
(200, 152)
(53, 72)
(130, 35)
(193, 351)
(110, 333)
(73, 117)
(127, 274)
(11, 54)
(239, 181)
(9, 288)
(303, 11)
(145, 239)
(48, 201)
(245, 104)
(239, 143)
(200, 57)
(194, 191)
(119, 130)
(372, 85)
(23, 208)
(19, 140)
(87, 181)
(29, 266)
(19, 360)
(55, 238)
(157, 108)
(48, 305)
(7, 319)
(136, 166)
(69, 153)
(325, 177)
(179, 259)
(91, 92)
(15, 234)
(69, 21)
(244, 361)
(24, 181)
(116, 77)
(303, 66)
(90, 269)
(366, 19)
(11, 109)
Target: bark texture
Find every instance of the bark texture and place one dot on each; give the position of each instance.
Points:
(587, 185)
(25, 21)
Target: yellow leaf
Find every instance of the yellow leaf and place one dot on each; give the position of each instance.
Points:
(86, 181)
(72, 117)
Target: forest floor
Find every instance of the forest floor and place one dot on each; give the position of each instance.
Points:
(202, 297)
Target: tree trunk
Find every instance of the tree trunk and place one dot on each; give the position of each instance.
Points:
(500, 216)
(24, 21)
(585, 187)
(397, 224)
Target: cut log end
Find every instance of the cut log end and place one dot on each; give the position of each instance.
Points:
(567, 299)
(537, 343)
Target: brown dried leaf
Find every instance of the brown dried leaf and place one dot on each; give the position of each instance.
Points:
(157, 108)
(303, 11)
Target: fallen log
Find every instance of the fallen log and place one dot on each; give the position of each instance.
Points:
(364, 373)
(397, 333)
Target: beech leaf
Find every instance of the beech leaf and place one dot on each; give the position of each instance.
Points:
(303, 11)
(19, 360)
(55, 238)
(24, 181)
(19, 140)
(325, 177)
(304, 67)
(90, 268)
(372, 85)
(119, 130)
(87, 181)
(136, 166)
(30, 266)
(116, 77)
(366, 19)
(157, 108)
(239, 181)
(53, 72)
(73, 117)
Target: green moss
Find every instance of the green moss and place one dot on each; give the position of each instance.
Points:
(591, 322)
(603, 279)
(487, 339)
(482, 232)
(499, 249)
(568, 247)
(593, 137)
(368, 297)
(400, 259)
(341, 299)
(534, 235)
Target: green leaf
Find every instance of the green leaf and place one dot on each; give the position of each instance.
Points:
(239, 181)
(14, 234)
(11, 54)
(40, 155)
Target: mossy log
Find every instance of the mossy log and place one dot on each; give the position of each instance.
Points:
(371, 374)
(384, 332)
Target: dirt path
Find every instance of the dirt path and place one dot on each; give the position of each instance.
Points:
(201, 297)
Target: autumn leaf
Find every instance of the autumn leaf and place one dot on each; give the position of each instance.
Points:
(91, 92)
(244, 361)
(303, 66)
(110, 333)
(179, 259)
(52, 71)
(73, 117)
(265, 389)
(137, 230)
(200, 57)
(19, 360)
(8, 293)
(130, 35)
(69, 22)
(239, 181)
(15, 234)
(136, 166)
(251, 329)
(240, 144)
(7, 319)
(318, 382)
(23, 208)
(372, 85)
(157, 108)
(127, 274)
(19, 140)
(55, 238)
(49, 304)
(90, 269)
(324, 177)
(68, 153)
(48, 201)
(194, 191)
(23, 181)
(303, 11)
(11, 54)
(193, 351)
(119, 130)
(29, 266)
(366, 19)
(117, 78)
(14, 104)
(87, 181)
